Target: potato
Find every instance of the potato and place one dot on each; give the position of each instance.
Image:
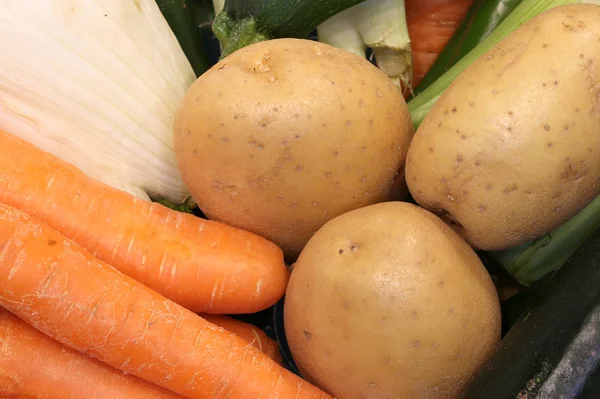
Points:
(387, 301)
(511, 150)
(283, 135)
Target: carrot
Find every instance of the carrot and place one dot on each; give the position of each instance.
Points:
(250, 333)
(204, 265)
(34, 365)
(62, 290)
(431, 24)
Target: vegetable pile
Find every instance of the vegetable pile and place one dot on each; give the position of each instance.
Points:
(299, 199)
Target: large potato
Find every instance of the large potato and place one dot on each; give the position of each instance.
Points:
(283, 135)
(388, 302)
(511, 150)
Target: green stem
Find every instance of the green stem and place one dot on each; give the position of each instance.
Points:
(233, 35)
(187, 206)
(243, 22)
(530, 262)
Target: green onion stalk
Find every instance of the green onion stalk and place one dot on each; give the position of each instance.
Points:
(379, 25)
(533, 260)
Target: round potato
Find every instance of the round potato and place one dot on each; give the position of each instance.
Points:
(283, 135)
(389, 302)
(511, 150)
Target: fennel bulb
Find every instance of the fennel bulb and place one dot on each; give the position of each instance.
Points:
(96, 83)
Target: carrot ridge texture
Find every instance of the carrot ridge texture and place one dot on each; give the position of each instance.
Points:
(61, 289)
(431, 24)
(203, 265)
(249, 332)
(33, 365)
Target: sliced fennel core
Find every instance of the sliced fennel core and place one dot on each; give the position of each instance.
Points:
(96, 83)
(379, 25)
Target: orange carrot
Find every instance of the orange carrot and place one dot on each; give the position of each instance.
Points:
(62, 290)
(250, 333)
(431, 24)
(33, 365)
(204, 265)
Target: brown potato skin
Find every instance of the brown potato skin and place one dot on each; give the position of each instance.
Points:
(511, 149)
(285, 134)
(388, 301)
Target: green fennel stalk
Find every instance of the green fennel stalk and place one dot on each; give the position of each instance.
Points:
(531, 261)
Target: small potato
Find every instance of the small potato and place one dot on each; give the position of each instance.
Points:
(283, 135)
(511, 150)
(388, 302)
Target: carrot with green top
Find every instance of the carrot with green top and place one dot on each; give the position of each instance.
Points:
(61, 289)
(204, 265)
(33, 365)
